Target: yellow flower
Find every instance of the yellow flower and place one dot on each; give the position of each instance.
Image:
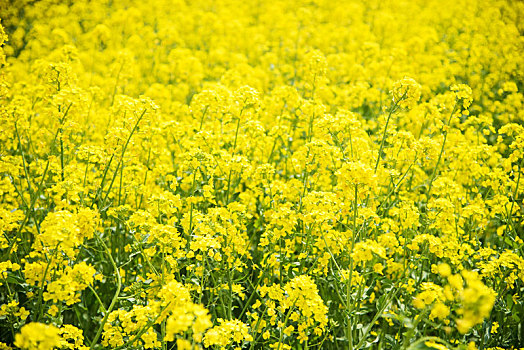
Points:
(228, 332)
(440, 311)
(463, 93)
(406, 92)
(444, 270)
(38, 336)
(435, 345)
(494, 328)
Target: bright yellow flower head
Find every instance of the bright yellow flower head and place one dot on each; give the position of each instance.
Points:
(38, 336)
(406, 92)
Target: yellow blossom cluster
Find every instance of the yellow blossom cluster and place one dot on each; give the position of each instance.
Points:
(286, 174)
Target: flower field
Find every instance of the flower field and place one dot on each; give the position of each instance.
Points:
(285, 174)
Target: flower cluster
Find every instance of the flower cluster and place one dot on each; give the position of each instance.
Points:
(218, 174)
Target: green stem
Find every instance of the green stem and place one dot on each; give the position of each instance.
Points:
(40, 308)
(122, 156)
(143, 330)
(441, 152)
(23, 159)
(514, 197)
(379, 313)
(115, 297)
(393, 109)
(348, 293)
(97, 298)
(285, 322)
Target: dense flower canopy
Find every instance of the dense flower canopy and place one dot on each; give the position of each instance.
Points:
(281, 174)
